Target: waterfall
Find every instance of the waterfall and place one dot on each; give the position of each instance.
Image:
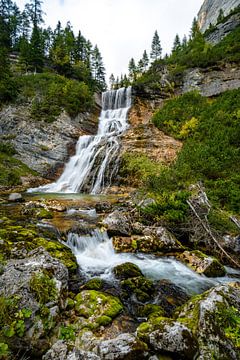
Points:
(95, 162)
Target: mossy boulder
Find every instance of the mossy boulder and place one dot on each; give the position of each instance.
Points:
(214, 319)
(141, 287)
(166, 335)
(207, 325)
(126, 271)
(93, 284)
(202, 264)
(16, 241)
(32, 294)
(96, 308)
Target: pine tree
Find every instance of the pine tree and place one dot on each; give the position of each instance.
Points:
(112, 81)
(140, 67)
(156, 49)
(132, 70)
(36, 49)
(184, 42)
(98, 69)
(194, 29)
(35, 12)
(220, 16)
(176, 44)
(145, 60)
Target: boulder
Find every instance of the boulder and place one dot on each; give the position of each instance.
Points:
(32, 294)
(214, 319)
(95, 309)
(202, 264)
(154, 239)
(118, 223)
(206, 327)
(15, 197)
(125, 346)
(60, 351)
(126, 271)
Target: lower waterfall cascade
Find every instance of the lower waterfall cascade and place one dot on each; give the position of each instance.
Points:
(95, 163)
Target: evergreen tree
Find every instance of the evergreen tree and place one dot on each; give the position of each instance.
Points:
(36, 49)
(176, 44)
(112, 81)
(98, 69)
(156, 49)
(24, 53)
(132, 69)
(145, 60)
(220, 16)
(14, 25)
(35, 12)
(194, 29)
(69, 41)
(184, 42)
(140, 66)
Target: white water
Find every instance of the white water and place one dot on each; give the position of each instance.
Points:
(95, 161)
(96, 256)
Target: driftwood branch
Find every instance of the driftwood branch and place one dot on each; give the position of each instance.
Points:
(235, 221)
(209, 232)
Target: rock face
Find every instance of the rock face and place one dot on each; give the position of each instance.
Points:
(223, 29)
(211, 82)
(209, 11)
(144, 138)
(42, 146)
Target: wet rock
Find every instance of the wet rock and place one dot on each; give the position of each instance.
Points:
(175, 338)
(161, 240)
(214, 319)
(103, 207)
(154, 239)
(32, 290)
(96, 308)
(126, 271)
(60, 351)
(118, 223)
(15, 197)
(125, 346)
(202, 263)
(169, 296)
(139, 288)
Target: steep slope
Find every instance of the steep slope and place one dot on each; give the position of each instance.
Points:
(210, 9)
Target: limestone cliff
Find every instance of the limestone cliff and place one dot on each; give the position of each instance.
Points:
(209, 11)
(43, 146)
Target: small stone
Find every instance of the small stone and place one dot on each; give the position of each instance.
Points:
(15, 197)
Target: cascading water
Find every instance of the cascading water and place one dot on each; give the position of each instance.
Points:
(96, 257)
(95, 161)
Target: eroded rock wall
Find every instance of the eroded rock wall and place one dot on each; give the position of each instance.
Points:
(44, 147)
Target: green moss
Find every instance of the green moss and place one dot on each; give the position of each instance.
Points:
(142, 287)
(97, 308)
(94, 284)
(44, 214)
(150, 311)
(19, 237)
(126, 271)
(12, 169)
(43, 287)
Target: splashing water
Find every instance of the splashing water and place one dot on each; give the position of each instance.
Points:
(96, 256)
(95, 161)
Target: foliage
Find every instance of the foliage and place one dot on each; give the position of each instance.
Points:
(211, 150)
(138, 167)
(169, 207)
(67, 333)
(7, 148)
(11, 170)
(51, 93)
(44, 287)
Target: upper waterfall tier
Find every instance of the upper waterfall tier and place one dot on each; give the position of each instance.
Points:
(96, 160)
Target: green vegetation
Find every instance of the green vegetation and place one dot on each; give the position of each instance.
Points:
(211, 149)
(44, 287)
(11, 169)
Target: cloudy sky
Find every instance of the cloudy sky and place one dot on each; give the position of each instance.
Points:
(123, 28)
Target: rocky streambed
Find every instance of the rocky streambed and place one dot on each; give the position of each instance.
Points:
(82, 278)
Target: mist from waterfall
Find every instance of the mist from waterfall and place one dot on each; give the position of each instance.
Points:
(95, 162)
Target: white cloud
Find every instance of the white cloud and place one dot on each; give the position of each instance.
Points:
(123, 28)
